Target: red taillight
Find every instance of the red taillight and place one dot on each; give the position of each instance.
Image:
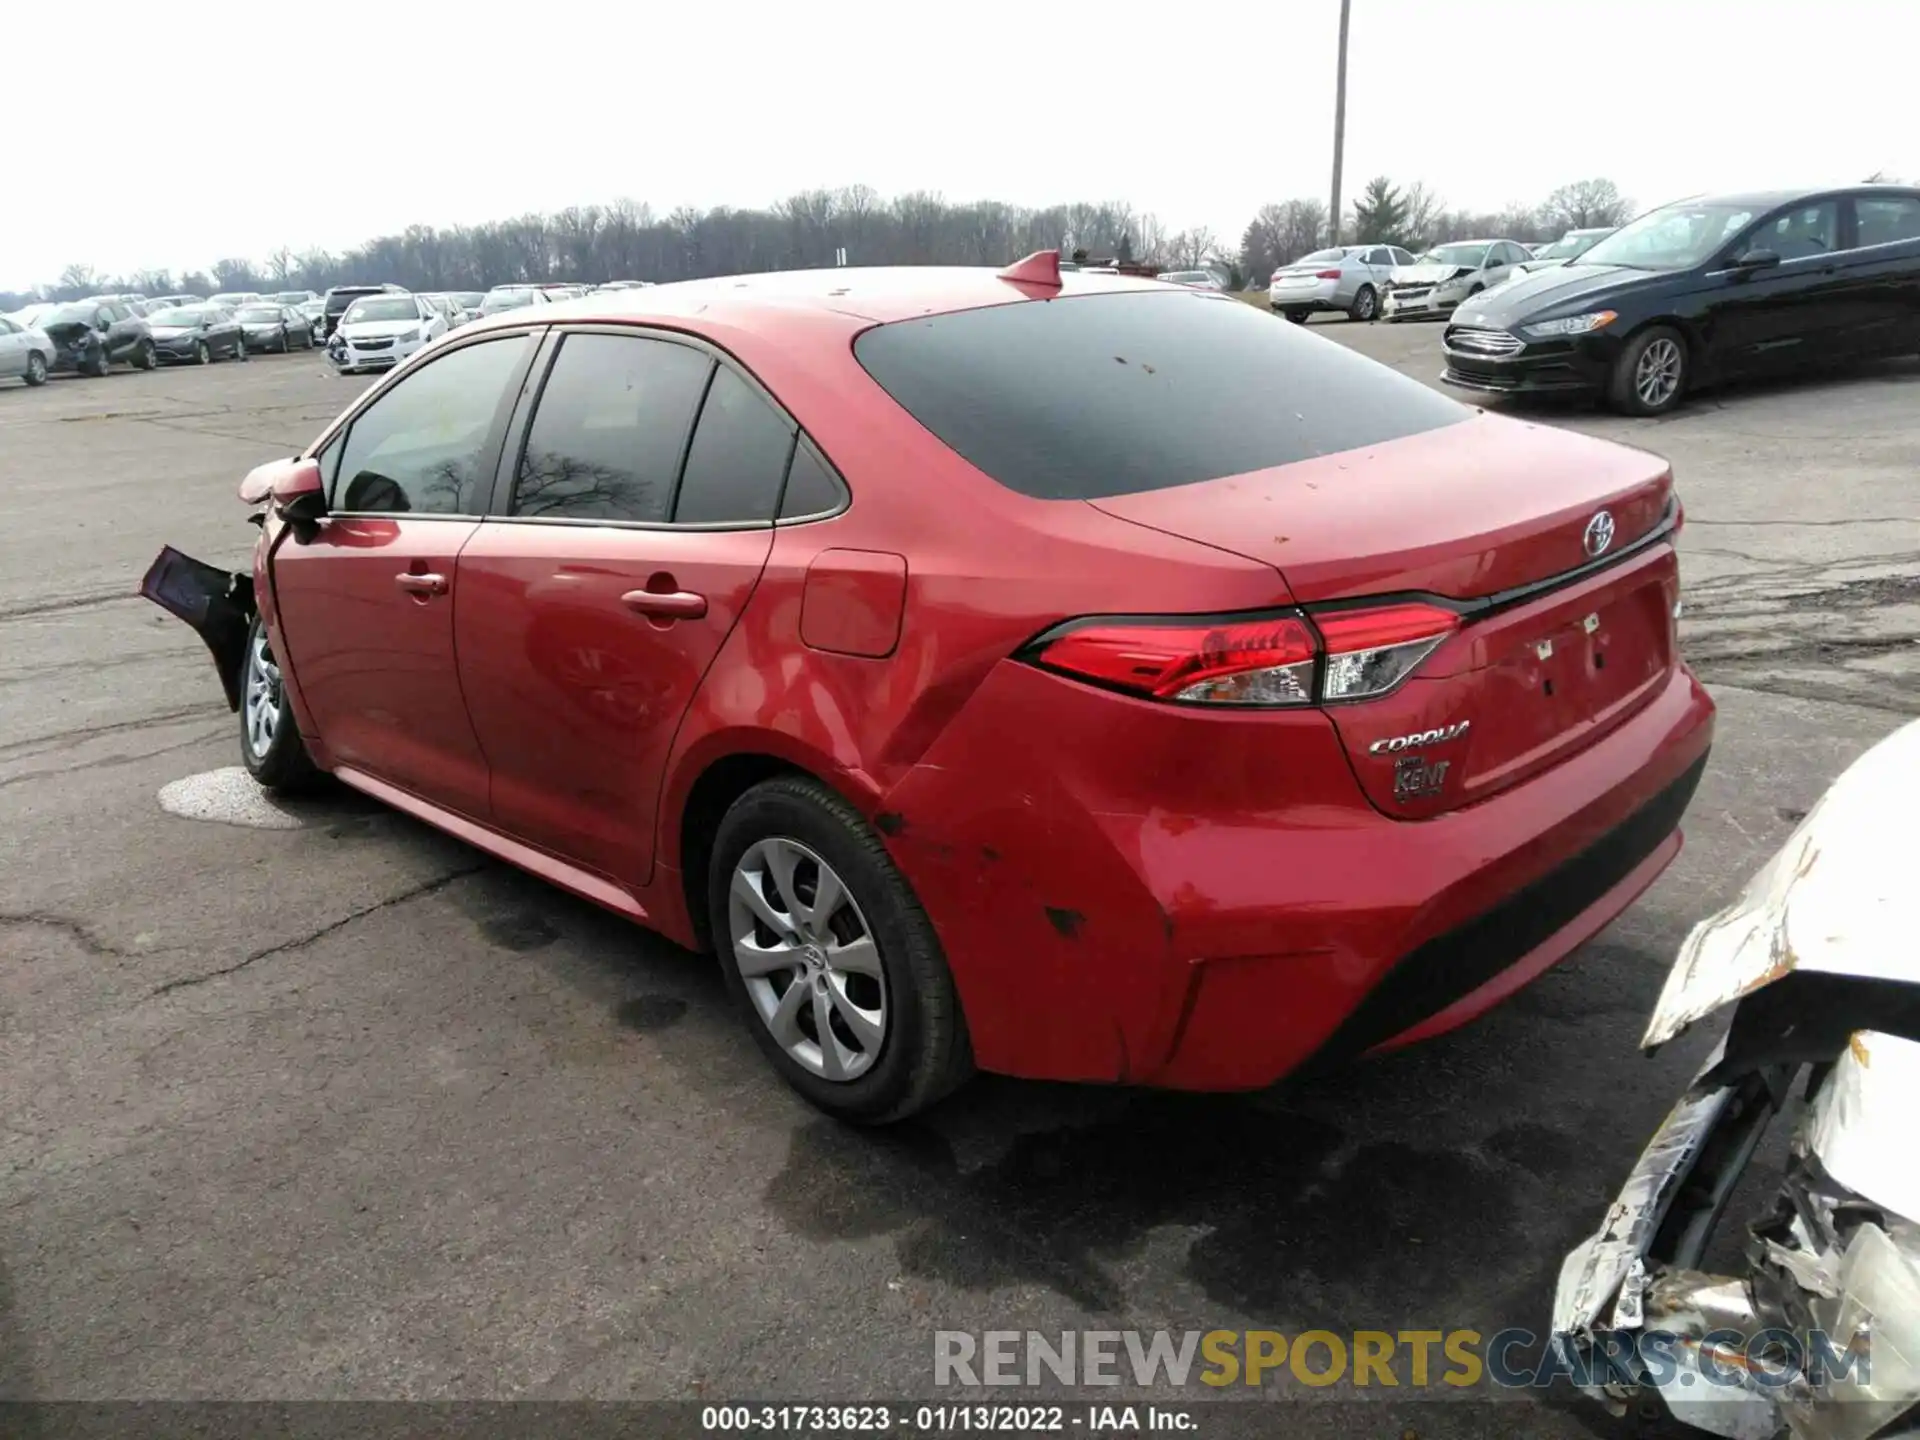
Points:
(1266, 661)
(1258, 660)
(1370, 651)
(1328, 275)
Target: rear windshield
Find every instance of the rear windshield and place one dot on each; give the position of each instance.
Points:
(341, 299)
(1098, 395)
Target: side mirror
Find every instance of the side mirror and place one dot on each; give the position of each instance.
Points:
(300, 498)
(1755, 260)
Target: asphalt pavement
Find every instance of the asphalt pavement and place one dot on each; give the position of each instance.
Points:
(336, 1108)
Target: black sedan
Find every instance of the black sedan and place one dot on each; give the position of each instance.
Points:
(197, 333)
(90, 335)
(267, 325)
(1701, 291)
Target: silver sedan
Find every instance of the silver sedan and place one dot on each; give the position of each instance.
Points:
(25, 353)
(1346, 277)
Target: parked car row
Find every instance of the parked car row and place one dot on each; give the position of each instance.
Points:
(364, 327)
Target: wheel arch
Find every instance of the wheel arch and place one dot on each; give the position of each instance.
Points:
(711, 782)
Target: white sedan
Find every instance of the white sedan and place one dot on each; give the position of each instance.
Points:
(379, 331)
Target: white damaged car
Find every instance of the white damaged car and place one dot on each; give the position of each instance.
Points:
(1818, 967)
(377, 332)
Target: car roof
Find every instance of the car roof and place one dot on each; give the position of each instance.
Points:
(865, 296)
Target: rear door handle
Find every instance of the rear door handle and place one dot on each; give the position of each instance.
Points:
(421, 584)
(667, 605)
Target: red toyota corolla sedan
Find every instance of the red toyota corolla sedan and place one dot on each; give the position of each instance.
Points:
(1068, 676)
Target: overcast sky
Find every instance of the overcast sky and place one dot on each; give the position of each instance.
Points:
(436, 113)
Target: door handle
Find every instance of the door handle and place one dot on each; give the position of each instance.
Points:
(666, 604)
(421, 584)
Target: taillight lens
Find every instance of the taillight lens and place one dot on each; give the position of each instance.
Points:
(1328, 275)
(1266, 661)
(1371, 651)
(1260, 660)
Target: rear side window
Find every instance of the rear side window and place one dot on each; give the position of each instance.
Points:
(1091, 396)
(1888, 220)
(737, 460)
(611, 426)
(812, 488)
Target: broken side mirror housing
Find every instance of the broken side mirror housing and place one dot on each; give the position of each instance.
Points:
(300, 498)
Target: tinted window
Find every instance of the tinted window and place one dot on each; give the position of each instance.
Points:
(737, 459)
(812, 489)
(1888, 219)
(1112, 394)
(1799, 233)
(606, 441)
(422, 447)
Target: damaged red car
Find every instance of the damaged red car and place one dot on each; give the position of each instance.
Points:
(1063, 675)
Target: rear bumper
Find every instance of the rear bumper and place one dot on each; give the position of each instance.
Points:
(1321, 295)
(1210, 903)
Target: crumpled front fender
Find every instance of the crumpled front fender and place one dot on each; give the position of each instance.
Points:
(217, 604)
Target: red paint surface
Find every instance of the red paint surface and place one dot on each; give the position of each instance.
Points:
(1125, 889)
(854, 602)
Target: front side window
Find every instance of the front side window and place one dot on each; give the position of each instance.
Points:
(422, 447)
(1799, 233)
(610, 428)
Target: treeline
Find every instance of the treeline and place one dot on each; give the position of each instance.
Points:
(629, 241)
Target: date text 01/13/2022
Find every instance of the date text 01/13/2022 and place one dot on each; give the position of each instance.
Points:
(945, 1419)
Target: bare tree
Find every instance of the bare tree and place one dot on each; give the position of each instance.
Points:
(1585, 204)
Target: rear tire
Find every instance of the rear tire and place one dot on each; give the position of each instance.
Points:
(922, 1051)
(144, 357)
(1298, 317)
(98, 366)
(270, 743)
(1366, 305)
(240, 351)
(36, 369)
(1650, 377)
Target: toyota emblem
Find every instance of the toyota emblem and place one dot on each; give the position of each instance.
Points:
(1599, 535)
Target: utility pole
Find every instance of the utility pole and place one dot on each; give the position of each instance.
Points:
(1339, 128)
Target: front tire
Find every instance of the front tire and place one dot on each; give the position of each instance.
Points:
(36, 368)
(1365, 305)
(829, 956)
(270, 743)
(144, 358)
(1650, 377)
(240, 351)
(201, 354)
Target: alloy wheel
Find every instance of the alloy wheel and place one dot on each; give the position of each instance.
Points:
(809, 959)
(265, 700)
(1364, 306)
(1656, 376)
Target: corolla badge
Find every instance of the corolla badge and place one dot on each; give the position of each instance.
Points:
(1599, 535)
(1419, 737)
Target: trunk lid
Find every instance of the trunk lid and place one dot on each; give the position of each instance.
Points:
(1470, 513)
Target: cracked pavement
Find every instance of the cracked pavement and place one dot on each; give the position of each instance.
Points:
(348, 1111)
